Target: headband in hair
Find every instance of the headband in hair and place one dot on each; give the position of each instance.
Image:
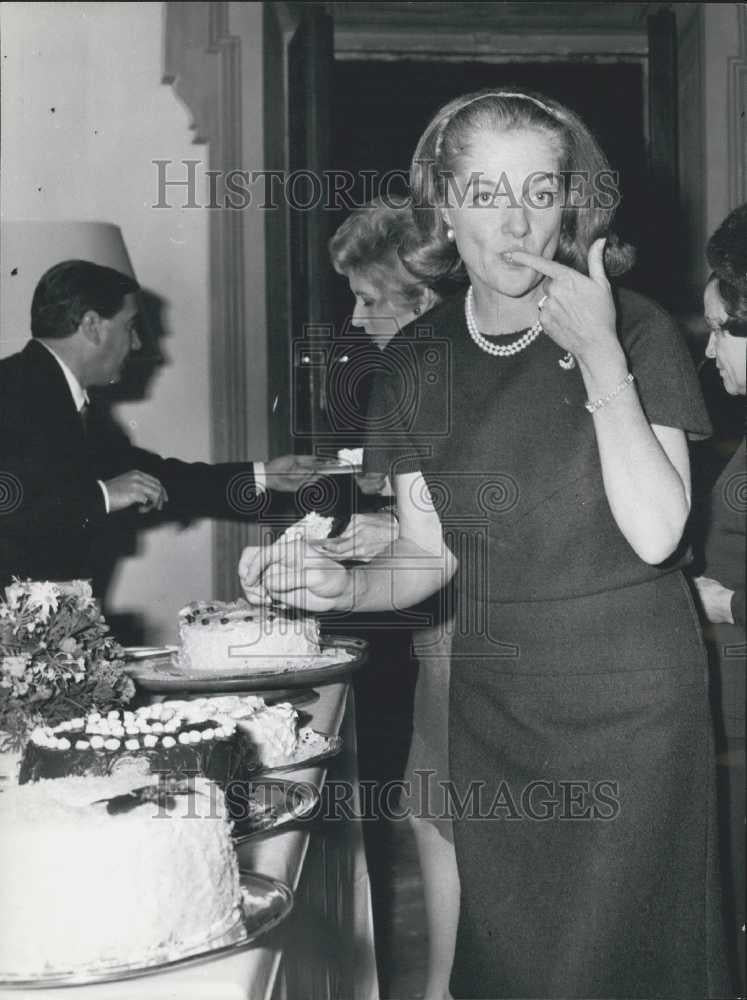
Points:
(494, 93)
(511, 93)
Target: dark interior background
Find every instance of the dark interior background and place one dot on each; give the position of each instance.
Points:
(381, 108)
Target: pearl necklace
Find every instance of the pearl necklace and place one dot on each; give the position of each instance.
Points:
(497, 350)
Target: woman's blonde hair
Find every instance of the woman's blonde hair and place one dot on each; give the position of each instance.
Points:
(587, 182)
(368, 241)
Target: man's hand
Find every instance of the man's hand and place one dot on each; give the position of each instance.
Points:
(135, 488)
(288, 473)
(716, 600)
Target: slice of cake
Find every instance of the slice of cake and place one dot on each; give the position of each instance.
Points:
(235, 637)
(272, 730)
(84, 889)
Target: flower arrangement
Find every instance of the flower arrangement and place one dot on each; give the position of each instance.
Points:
(57, 659)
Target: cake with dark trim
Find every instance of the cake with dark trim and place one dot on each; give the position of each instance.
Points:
(234, 637)
(224, 739)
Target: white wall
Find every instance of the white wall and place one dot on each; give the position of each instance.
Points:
(99, 66)
(708, 42)
(721, 39)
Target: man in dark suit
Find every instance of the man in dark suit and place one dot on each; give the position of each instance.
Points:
(64, 467)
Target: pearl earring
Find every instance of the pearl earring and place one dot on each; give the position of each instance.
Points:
(417, 310)
(450, 234)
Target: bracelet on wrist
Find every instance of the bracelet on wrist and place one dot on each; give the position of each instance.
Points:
(593, 405)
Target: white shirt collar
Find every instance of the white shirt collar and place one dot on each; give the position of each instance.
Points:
(79, 394)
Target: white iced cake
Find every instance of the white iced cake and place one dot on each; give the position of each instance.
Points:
(216, 636)
(87, 885)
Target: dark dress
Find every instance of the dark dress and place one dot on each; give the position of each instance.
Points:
(724, 560)
(580, 738)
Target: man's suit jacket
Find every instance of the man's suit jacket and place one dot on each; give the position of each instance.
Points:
(51, 505)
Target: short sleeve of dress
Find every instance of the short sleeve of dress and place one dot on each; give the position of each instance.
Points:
(393, 445)
(665, 374)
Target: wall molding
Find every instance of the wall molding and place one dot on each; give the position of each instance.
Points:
(692, 155)
(737, 115)
(202, 63)
(486, 45)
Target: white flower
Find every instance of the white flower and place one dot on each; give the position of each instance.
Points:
(80, 590)
(44, 596)
(15, 665)
(68, 645)
(14, 593)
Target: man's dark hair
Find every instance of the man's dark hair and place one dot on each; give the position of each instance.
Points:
(67, 291)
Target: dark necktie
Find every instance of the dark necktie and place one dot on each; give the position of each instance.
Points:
(83, 413)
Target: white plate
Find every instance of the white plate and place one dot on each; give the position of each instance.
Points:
(340, 655)
(148, 652)
(339, 469)
(267, 902)
(274, 804)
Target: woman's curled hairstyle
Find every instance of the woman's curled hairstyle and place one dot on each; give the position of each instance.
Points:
(588, 185)
(369, 240)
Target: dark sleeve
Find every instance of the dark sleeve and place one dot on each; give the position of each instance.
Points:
(724, 548)
(227, 489)
(395, 443)
(658, 357)
(197, 489)
(737, 606)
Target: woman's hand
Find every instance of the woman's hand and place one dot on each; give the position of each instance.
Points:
(294, 573)
(577, 312)
(645, 468)
(364, 537)
(716, 600)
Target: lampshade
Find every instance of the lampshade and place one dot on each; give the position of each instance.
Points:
(28, 249)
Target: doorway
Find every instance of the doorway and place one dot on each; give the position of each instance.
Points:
(380, 109)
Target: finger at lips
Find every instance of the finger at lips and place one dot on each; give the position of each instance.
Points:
(550, 268)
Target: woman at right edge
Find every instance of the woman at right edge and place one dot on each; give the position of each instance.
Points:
(579, 720)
